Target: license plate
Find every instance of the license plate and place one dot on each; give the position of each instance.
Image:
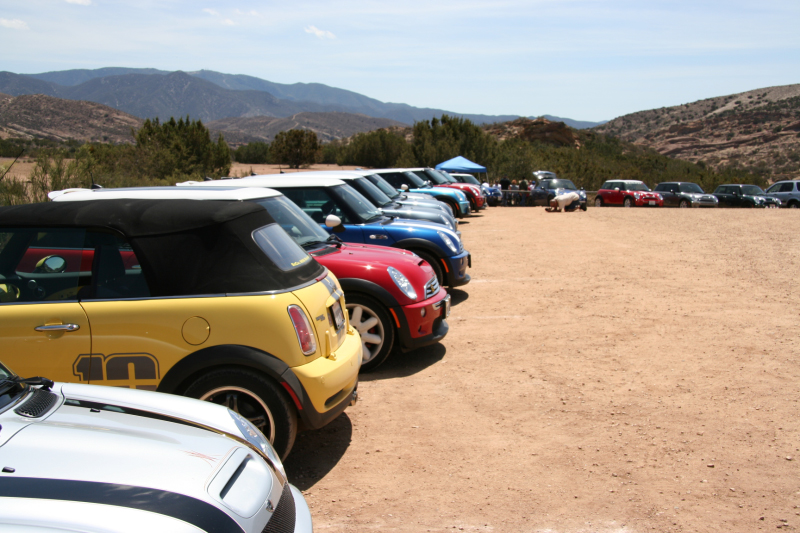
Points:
(447, 306)
(652, 202)
(338, 316)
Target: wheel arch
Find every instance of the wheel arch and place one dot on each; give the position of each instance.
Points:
(187, 370)
(368, 288)
(421, 244)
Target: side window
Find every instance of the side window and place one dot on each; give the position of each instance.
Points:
(393, 179)
(116, 272)
(775, 188)
(606, 185)
(315, 203)
(42, 264)
(786, 187)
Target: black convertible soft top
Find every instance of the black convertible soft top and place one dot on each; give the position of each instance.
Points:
(185, 247)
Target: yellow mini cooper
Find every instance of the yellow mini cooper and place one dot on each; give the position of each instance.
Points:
(211, 300)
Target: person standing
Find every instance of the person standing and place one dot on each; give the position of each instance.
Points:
(523, 186)
(505, 183)
(514, 195)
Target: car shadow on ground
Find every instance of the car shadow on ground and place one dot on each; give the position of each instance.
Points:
(400, 364)
(457, 296)
(315, 453)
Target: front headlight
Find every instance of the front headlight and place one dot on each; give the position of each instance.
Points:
(252, 435)
(447, 223)
(402, 283)
(447, 241)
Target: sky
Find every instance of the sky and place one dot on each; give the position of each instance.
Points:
(581, 59)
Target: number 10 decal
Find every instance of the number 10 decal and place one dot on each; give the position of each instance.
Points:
(129, 370)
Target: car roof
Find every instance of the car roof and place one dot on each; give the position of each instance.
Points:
(327, 174)
(294, 179)
(623, 181)
(185, 247)
(163, 193)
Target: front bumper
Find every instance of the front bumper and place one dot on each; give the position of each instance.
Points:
(456, 269)
(649, 202)
(704, 202)
(464, 207)
(329, 383)
(417, 330)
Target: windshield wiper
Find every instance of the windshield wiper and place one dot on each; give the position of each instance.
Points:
(335, 240)
(44, 382)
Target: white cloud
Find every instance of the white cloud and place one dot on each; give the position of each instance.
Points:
(211, 12)
(80, 2)
(14, 24)
(252, 13)
(228, 22)
(322, 34)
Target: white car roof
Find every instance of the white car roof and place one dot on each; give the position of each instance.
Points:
(163, 193)
(268, 180)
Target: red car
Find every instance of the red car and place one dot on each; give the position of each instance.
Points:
(474, 194)
(627, 193)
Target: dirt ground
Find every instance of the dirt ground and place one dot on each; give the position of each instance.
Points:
(619, 370)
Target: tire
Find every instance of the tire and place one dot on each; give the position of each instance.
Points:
(627, 202)
(685, 203)
(598, 202)
(373, 322)
(793, 205)
(583, 207)
(437, 268)
(453, 207)
(255, 397)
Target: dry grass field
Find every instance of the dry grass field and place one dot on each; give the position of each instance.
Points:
(609, 371)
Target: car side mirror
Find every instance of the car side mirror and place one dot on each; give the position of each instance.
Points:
(335, 223)
(583, 189)
(616, 189)
(52, 264)
(404, 187)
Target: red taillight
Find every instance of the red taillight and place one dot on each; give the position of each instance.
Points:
(305, 335)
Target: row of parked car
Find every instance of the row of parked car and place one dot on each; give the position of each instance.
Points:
(263, 296)
(634, 193)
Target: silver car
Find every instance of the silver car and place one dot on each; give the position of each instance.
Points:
(788, 192)
(90, 458)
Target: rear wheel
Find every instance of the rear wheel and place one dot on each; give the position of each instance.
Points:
(255, 397)
(374, 324)
(598, 202)
(793, 204)
(627, 202)
(685, 203)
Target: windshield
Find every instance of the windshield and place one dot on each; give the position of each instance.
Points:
(447, 176)
(468, 178)
(355, 201)
(383, 185)
(752, 190)
(636, 186)
(8, 391)
(373, 193)
(691, 187)
(435, 177)
(558, 184)
(418, 182)
(294, 220)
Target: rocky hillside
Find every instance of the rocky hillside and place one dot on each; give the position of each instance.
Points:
(758, 129)
(40, 116)
(327, 126)
(540, 129)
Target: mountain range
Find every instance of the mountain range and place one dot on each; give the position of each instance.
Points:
(210, 95)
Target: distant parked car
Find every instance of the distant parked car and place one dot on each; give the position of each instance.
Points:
(548, 188)
(685, 194)
(493, 196)
(87, 458)
(788, 192)
(736, 195)
(627, 193)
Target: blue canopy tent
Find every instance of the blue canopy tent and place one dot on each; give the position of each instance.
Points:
(461, 164)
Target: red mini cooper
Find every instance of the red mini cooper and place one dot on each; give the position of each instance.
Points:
(627, 193)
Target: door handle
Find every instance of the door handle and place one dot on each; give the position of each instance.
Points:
(58, 327)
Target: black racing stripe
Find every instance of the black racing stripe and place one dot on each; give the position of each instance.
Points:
(196, 512)
(131, 411)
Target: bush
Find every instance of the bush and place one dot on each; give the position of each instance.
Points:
(295, 148)
(376, 149)
(254, 153)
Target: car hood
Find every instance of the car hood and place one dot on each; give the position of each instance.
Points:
(371, 254)
(104, 445)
